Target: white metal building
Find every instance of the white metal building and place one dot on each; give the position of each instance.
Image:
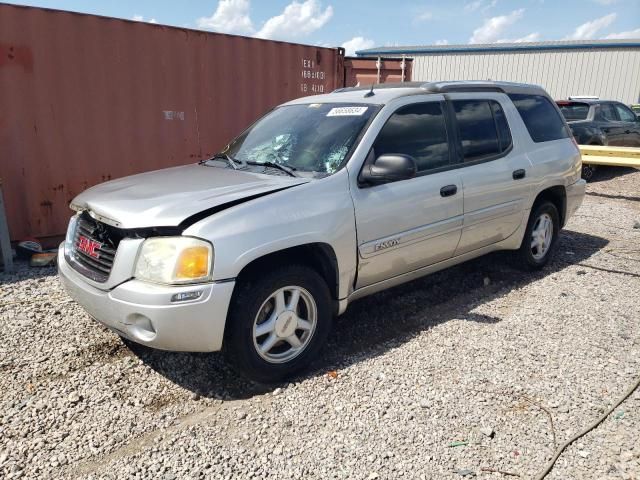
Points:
(605, 68)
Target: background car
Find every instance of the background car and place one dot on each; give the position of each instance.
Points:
(600, 122)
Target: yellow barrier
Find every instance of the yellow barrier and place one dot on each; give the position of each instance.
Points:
(610, 156)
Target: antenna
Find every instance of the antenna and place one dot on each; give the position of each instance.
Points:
(370, 92)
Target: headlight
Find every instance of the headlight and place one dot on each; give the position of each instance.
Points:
(71, 232)
(174, 260)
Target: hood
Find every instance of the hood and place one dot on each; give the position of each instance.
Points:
(165, 198)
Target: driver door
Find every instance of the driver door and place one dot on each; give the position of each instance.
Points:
(406, 225)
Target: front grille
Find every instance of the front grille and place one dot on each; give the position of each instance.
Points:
(97, 266)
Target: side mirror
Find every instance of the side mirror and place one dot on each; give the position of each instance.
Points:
(387, 168)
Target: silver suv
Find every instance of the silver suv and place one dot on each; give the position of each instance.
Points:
(322, 201)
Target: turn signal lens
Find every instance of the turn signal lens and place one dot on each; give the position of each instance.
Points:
(175, 260)
(193, 263)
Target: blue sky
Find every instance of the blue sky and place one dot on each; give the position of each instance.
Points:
(358, 24)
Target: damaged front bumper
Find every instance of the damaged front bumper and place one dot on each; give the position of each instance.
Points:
(150, 314)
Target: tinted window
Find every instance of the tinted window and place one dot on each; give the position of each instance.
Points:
(574, 111)
(503, 126)
(608, 113)
(625, 114)
(418, 130)
(540, 117)
(478, 133)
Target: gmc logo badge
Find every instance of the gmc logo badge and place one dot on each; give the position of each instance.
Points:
(89, 246)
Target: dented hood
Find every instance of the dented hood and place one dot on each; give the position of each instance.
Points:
(169, 197)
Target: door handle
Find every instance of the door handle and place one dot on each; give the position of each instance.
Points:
(627, 132)
(519, 174)
(606, 130)
(448, 190)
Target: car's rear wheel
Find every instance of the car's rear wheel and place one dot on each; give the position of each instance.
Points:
(278, 323)
(588, 171)
(540, 237)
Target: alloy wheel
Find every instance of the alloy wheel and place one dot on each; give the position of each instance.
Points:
(541, 236)
(285, 324)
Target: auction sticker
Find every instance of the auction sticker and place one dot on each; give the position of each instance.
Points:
(346, 111)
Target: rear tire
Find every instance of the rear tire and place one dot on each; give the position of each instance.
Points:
(588, 171)
(540, 237)
(277, 323)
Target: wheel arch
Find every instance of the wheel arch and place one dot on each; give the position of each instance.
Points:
(318, 255)
(557, 195)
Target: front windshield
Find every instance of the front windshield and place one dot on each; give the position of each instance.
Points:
(314, 138)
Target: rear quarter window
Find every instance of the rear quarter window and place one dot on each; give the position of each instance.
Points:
(540, 117)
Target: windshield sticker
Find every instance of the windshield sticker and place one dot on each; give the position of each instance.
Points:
(315, 105)
(347, 111)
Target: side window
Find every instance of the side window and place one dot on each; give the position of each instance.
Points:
(418, 130)
(625, 114)
(541, 118)
(503, 126)
(479, 130)
(607, 113)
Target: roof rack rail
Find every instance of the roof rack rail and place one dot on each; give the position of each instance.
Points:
(453, 86)
(462, 86)
(378, 86)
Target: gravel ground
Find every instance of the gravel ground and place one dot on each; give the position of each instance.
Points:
(478, 367)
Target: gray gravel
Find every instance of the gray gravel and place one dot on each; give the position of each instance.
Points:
(462, 371)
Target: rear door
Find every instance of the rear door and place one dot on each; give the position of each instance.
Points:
(631, 125)
(607, 119)
(495, 175)
(405, 225)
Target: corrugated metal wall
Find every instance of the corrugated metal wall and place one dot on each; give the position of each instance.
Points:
(84, 99)
(608, 73)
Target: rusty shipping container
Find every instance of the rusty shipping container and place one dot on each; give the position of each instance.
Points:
(365, 71)
(84, 99)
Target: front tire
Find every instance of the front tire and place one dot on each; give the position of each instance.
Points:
(540, 237)
(278, 322)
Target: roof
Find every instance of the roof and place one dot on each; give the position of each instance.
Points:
(501, 47)
(386, 92)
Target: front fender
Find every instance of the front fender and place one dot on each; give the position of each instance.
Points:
(320, 211)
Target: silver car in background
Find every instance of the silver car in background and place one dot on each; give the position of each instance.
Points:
(322, 201)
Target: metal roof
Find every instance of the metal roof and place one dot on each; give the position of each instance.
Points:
(501, 47)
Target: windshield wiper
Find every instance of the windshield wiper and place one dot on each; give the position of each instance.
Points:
(289, 170)
(230, 160)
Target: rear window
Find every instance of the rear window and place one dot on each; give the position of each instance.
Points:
(484, 131)
(574, 111)
(540, 117)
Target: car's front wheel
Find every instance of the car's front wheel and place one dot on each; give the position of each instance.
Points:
(278, 323)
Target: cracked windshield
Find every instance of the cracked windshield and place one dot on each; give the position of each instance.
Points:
(313, 138)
